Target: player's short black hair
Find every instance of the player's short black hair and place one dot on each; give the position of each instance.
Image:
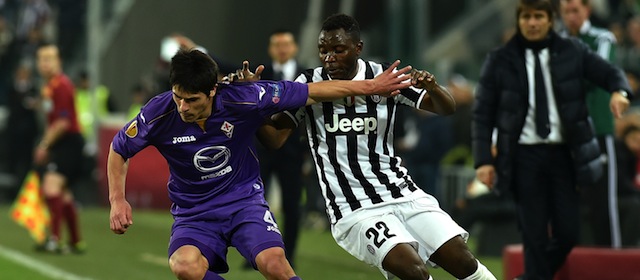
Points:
(346, 22)
(544, 5)
(193, 71)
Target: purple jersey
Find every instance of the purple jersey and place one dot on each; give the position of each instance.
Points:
(214, 168)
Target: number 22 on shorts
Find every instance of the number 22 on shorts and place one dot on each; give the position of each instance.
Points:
(379, 234)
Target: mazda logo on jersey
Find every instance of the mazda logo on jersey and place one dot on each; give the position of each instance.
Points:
(358, 123)
(212, 159)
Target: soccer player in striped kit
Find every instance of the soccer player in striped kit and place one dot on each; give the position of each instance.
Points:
(377, 212)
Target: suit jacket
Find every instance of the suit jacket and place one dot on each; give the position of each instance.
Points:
(502, 103)
(267, 73)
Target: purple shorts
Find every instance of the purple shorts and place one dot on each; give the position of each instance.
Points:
(250, 230)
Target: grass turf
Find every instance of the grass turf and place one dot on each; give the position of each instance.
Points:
(141, 253)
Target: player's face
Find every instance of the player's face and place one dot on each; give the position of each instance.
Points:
(192, 106)
(574, 14)
(48, 61)
(339, 54)
(282, 47)
(633, 141)
(534, 24)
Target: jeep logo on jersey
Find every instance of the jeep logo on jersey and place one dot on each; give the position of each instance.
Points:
(183, 139)
(212, 159)
(360, 125)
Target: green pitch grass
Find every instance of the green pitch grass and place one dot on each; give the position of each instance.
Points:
(141, 253)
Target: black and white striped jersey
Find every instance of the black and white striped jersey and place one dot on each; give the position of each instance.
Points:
(351, 142)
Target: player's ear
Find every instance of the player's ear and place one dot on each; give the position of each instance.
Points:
(213, 91)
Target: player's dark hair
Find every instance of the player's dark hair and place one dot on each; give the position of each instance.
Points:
(544, 5)
(193, 71)
(342, 21)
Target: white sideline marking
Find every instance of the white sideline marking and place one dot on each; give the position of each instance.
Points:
(41, 267)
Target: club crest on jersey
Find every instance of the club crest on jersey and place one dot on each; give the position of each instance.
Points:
(132, 130)
(349, 101)
(227, 128)
(275, 95)
(376, 98)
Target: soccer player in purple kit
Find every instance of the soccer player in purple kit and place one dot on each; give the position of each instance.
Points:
(205, 131)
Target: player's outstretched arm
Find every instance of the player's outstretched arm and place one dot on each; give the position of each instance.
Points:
(438, 98)
(390, 82)
(120, 217)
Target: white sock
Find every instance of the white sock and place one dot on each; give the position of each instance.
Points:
(482, 273)
(430, 278)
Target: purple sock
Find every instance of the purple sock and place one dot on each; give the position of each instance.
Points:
(295, 278)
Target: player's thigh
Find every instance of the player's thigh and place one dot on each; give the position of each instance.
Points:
(430, 225)
(371, 238)
(53, 184)
(205, 236)
(66, 158)
(253, 230)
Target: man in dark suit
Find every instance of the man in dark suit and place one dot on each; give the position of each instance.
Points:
(532, 91)
(285, 163)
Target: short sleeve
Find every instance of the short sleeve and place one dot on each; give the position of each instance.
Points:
(133, 137)
(280, 96)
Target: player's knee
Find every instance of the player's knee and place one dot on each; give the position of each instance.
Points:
(273, 264)
(403, 262)
(186, 263)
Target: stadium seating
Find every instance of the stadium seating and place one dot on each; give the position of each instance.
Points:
(583, 263)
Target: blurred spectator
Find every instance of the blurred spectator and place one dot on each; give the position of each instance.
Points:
(59, 152)
(6, 36)
(139, 96)
(428, 138)
(23, 124)
(634, 81)
(599, 203)
(71, 27)
(462, 91)
(6, 40)
(168, 48)
(32, 15)
(285, 163)
(628, 148)
(629, 55)
(91, 106)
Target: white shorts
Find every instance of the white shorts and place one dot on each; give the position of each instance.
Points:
(370, 233)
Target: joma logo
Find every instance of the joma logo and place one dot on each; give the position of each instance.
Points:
(184, 139)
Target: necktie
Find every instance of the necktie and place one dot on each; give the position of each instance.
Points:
(542, 110)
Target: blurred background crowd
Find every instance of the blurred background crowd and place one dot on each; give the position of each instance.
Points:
(112, 50)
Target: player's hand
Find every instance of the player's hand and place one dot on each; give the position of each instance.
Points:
(487, 175)
(40, 155)
(423, 79)
(244, 74)
(619, 104)
(390, 82)
(120, 217)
